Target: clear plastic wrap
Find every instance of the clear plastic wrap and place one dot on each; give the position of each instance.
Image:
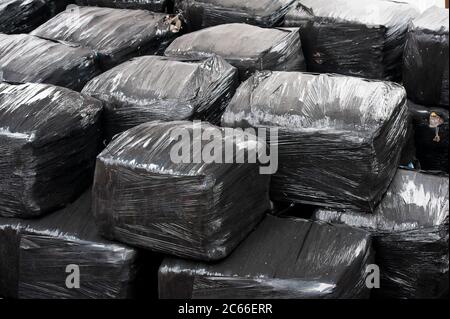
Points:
(196, 210)
(22, 16)
(201, 14)
(425, 67)
(49, 138)
(115, 34)
(26, 58)
(431, 136)
(247, 47)
(411, 232)
(326, 122)
(35, 254)
(151, 5)
(281, 259)
(353, 37)
(158, 88)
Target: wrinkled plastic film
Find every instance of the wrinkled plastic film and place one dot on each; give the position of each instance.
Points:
(151, 5)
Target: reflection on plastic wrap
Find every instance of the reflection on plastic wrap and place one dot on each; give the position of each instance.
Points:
(425, 68)
(26, 58)
(282, 259)
(157, 88)
(340, 137)
(192, 209)
(48, 144)
(115, 34)
(353, 37)
(201, 14)
(410, 229)
(35, 254)
(247, 47)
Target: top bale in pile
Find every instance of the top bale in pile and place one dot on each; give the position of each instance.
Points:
(425, 70)
(353, 37)
(207, 13)
(247, 47)
(49, 138)
(151, 5)
(115, 34)
(340, 138)
(410, 229)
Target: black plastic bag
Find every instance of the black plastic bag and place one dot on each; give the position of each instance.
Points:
(339, 138)
(207, 13)
(192, 209)
(26, 58)
(247, 47)
(281, 259)
(353, 37)
(49, 138)
(431, 136)
(157, 88)
(151, 5)
(22, 16)
(410, 229)
(37, 258)
(115, 34)
(425, 68)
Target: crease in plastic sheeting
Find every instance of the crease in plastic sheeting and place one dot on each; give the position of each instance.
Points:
(116, 34)
(249, 48)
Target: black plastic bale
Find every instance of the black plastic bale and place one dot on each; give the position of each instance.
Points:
(425, 67)
(351, 37)
(26, 58)
(158, 88)
(339, 138)
(116, 35)
(49, 138)
(201, 14)
(248, 48)
(193, 209)
(151, 5)
(410, 230)
(281, 259)
(22, 16)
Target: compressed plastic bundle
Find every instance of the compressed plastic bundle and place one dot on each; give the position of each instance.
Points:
(193, 208)
(48, 141)
(282, 259)
(425, 68)
(247, 47)
(151, 5)
(22, 16)
(26, 58)
(115, 34)
(39, 258)
(353, 37)
(431, 136)
(157, 88)
(410, 229)
(207, 13)
(325, 122)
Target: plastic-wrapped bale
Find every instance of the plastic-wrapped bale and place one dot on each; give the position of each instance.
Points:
(201, 14)
(410, 229)
(26, 58)
(48, 141)
(157, 88)
(281, 259)
(425, 68)
(22, 16)
(351, 37)
(38, 257)
(431, 136)
(198, 210)
(247, 47)
(115, 34)
(151, 5)
(325, 122)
